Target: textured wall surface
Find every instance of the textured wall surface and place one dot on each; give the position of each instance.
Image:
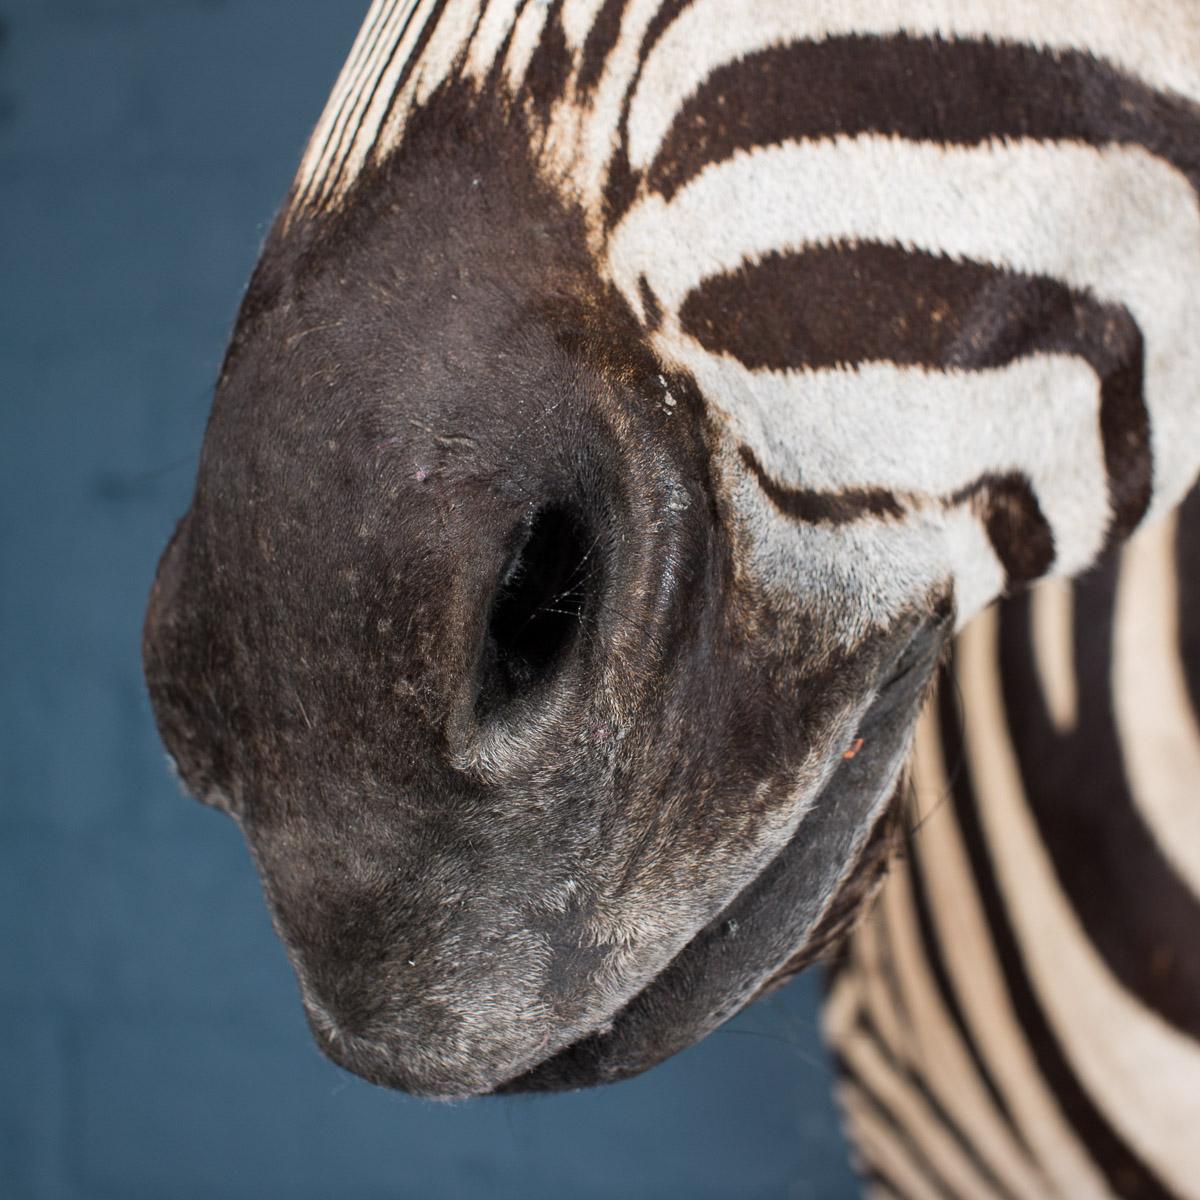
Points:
(151, 1042)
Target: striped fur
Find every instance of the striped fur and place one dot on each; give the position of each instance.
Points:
(844, 221)
(1020, 1017)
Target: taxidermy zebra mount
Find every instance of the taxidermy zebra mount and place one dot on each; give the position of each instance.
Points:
(628, 405)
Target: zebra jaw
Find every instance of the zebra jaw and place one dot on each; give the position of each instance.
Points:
(778, 924)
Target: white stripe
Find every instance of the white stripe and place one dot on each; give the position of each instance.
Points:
(870, 950)
(884, 1148)
(578, 17)
(497, 20)
(398, 25)
(1117, 221)
(1157, 728)
(1157, 40)
(944, 1062)
(930, 433)
(446, 49)
(359, 68)
(1051, 618)
(367, 135)
(1141, 1072)
(860, 577)
(978, 983)
(526, 34)
(582, 138)
(841, 1006)
(924, 1131)
(449, 39)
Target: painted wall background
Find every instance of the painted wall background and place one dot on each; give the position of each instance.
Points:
(151, 1041)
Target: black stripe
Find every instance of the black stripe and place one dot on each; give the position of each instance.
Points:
(1016, 527)
(651, 307)
(550, 65)
(1005, 503)
(598, 45)
(842, 304)
(427, 32)
(341, 158)
(1125, 435)
(1187, 568)
(833, 508)
(1127, 1175)
(841, 962)
(880, 1182)
(1142, 918)
(492, 84)
(960, 92)
(350, 95)
(941, 1116)
(917, 1157)
(622, 182)
(932, 951)
(883, 969)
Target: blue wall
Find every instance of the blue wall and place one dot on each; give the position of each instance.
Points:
(151, 1041)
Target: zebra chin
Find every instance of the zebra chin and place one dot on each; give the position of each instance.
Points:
(782, 921)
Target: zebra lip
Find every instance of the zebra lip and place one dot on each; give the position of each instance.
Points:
(762, 936)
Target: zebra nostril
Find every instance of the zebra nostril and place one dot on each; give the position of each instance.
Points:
(539, 607)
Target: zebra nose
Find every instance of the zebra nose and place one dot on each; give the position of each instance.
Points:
(542, 603)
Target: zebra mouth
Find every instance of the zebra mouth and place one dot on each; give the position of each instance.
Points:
(785, 917)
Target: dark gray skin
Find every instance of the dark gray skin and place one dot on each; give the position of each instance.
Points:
(455, 628)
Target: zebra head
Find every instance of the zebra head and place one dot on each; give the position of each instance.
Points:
(544, 775)
(558, 667)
